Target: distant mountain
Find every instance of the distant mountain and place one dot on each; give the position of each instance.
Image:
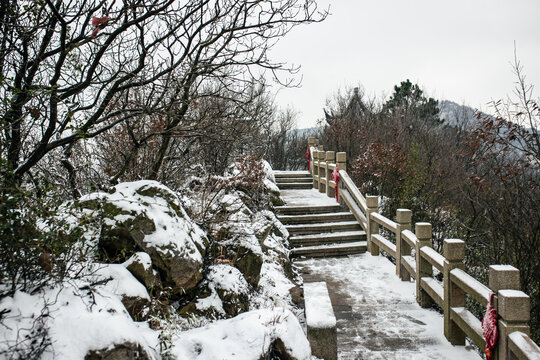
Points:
(456, 115)
(312, 131)
(466, 118)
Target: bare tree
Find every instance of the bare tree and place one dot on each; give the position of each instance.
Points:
(503, 191)
(67, 70)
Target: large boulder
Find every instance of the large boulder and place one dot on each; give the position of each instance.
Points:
(147, 216)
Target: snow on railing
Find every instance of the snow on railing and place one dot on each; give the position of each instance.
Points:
(512, 305)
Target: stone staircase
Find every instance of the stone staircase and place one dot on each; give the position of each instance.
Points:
(316, 230)
(293, 180)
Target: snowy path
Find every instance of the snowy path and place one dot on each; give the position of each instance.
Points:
(377, 314)
(306, 198)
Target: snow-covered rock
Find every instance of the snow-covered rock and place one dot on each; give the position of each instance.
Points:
(147, 216)
(229, 292)
(140, 265)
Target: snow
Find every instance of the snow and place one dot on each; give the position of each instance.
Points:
(319, 313)
(211, 302)
(309, 197)
(449, 241)
(79, 319)
(76, 321)
(222, 277)
(271, 185)
(122, 282)
(384, 320)
(247, 336)
(524, 343)
(503, 267)
(273, 287)
(228, 278)
(268, 172)
(512, 293)
(264, 217)
(237, 211)
(141, 258)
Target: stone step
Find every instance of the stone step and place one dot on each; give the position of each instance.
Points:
(295, 174)
(326, 238)
(286, 186)
(294, 180)
(329, 227)
(330, 250)
(316, 218)
(307, 209)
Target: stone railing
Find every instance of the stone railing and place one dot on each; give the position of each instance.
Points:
(415, 258)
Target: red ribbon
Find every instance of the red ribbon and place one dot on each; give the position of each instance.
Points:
(489, 325)
(307, 157)
(335, 177)
(98, 24)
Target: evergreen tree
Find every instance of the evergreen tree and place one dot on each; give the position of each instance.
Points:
(409, 100)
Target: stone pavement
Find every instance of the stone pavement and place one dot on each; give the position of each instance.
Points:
(377, 314)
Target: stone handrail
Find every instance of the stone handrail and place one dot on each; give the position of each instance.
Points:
(512, 305)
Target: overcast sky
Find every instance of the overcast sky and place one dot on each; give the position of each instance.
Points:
(457, 50)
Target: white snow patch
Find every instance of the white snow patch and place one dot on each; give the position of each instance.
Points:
(271, 185)
(141, 258)
(227, 278)
(77, 322)
(273, 287)
(122, 282)
(210, 302)
(268, 172)
(247, 336)
(222, 277)
(309, 197)
(319, 312)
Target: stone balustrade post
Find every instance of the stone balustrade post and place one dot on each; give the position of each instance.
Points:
(372, 203)
(312, 142)
(341, 162)
(513, 306)
(454, 296)
(330, 159)
(403, 220)
(315, 168)
(423, 232)
(322, 170)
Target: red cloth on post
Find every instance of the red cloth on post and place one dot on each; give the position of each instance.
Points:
(307, 157)
(335, 177)
(489, 325)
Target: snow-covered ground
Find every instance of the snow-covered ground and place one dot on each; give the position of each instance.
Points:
(310, 197)
(238, 306)
(377, 314)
